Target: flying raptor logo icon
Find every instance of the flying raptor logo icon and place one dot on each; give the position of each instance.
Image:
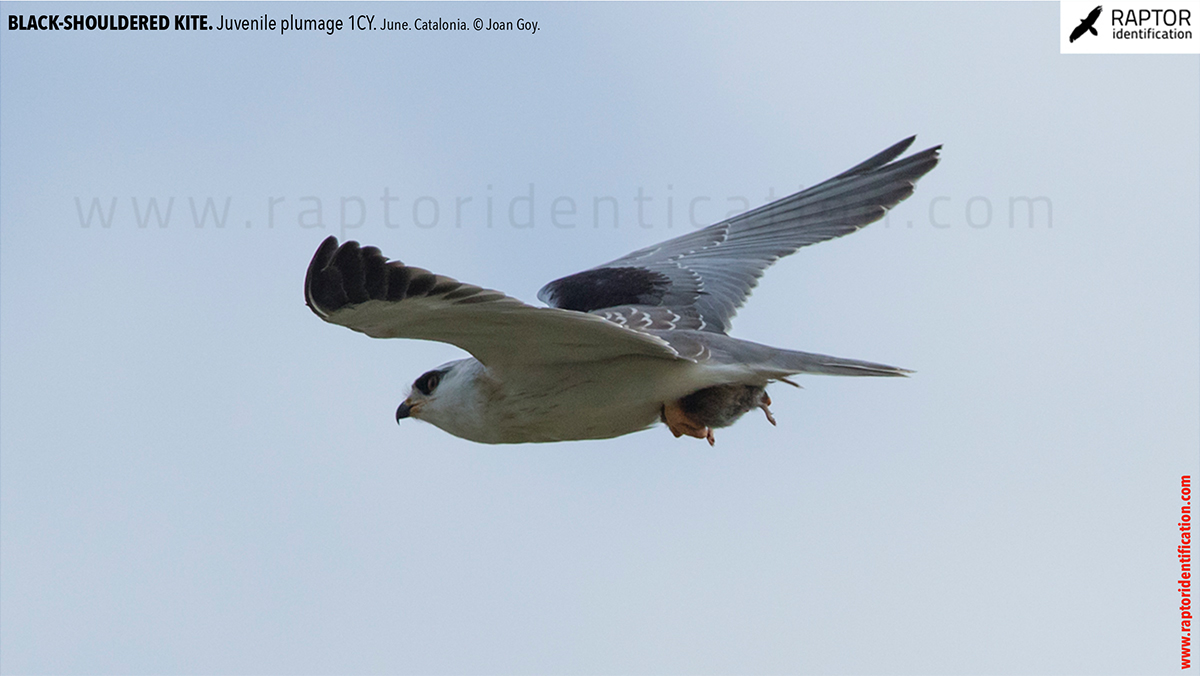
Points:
(1088, 24)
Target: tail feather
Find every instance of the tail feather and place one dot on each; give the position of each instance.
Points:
(769, 362)
(789, 362)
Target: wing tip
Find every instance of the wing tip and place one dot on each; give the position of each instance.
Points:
(887, 159)
(337, 276)
(348, 274)
(320, 261)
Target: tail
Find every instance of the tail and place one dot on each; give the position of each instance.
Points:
(769, 362)
(788, 362)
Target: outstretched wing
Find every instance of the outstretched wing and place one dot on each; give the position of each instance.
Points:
(358, 288)
(703, 277)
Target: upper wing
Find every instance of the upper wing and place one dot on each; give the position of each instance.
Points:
(358, 288)
(706, 275)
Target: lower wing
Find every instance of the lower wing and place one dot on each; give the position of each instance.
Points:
(358, 288)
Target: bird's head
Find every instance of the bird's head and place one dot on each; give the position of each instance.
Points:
(440, 395)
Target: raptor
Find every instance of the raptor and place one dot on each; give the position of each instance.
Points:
(622, 346)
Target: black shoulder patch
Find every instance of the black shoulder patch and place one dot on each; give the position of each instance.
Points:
(606, 287)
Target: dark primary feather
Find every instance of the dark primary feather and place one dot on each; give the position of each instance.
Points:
(357, 287)
(706, 275)
(347, 275)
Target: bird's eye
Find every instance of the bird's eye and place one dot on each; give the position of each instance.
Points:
(427, 382)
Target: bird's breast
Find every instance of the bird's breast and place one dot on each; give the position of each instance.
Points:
(591, 400)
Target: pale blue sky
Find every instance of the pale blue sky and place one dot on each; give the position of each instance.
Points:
(199, 476)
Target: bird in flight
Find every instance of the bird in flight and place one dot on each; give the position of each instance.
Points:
(1088, 24)
(622, 346)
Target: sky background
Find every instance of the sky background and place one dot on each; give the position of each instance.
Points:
(199, 476)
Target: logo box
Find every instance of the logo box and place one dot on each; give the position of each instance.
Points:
(1149, 27)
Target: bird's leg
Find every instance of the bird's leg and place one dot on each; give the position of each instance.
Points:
(680, 424)
(763, 404)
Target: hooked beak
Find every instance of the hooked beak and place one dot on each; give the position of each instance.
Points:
(404, 411)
